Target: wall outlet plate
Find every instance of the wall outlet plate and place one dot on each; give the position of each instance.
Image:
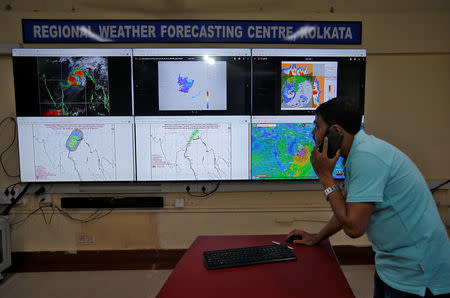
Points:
(179, 203)
(6, 199)
(45, 198)
(86, 239)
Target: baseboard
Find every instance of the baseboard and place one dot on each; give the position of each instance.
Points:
(95, 260)
(354, 255)
(156, 259)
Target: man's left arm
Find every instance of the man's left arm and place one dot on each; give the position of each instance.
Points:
(354, 217)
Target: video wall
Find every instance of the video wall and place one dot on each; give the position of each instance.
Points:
(176, 114)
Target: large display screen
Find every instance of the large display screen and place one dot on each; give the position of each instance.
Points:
(91, 115)
(297, 81)
(192, 81)
(72, 82)
(76, 149)
(193, 148)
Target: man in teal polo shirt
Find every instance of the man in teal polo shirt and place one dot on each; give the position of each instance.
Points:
(388, 199)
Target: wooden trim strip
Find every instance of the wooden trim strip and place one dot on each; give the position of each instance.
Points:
(155, 259)
(95, 260)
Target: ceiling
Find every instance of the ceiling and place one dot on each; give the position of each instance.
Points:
(228, 6)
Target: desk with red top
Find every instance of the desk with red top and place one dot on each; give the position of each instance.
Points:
(315, 273)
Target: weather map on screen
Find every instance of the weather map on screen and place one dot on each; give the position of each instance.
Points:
(192, 85)
(192, 148)
(73, 86)
(282, 146)
(305, 85)
(76, 148)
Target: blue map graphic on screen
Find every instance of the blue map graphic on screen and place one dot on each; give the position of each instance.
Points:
(283, 151)
(185, 84)
(288, 92)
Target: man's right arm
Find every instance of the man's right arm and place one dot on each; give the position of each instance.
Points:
(332, 227)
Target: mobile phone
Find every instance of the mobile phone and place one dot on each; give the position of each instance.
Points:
(334, 142)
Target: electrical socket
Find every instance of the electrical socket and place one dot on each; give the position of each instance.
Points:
(6, 199)
(179, 203)
(45, 198)
(86, 239)
(194, 187)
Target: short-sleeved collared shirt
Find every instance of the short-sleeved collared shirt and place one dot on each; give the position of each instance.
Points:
(412, 249)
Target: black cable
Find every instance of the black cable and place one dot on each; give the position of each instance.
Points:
(437, 187)
(91, 217)
(188, 190)
(41, 208)
(94, 215)
(53, 213)
(43, 213)
(28, 215)
(10, 145)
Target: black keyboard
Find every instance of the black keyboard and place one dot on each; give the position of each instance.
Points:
(244, 256)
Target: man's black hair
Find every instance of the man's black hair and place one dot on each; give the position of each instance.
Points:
(341, 110)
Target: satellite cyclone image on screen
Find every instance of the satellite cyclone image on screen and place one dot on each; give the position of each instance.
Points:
(299, 87)
(283, 151)
(73, 86)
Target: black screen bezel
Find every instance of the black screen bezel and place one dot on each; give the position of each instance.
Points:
(266, 98)
(26, 85)
(146, 92)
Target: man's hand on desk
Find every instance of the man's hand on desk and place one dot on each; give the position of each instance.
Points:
(307, 238)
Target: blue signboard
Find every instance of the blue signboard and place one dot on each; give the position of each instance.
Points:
(114, 31)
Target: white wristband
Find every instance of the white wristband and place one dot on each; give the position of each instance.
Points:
(330, 189)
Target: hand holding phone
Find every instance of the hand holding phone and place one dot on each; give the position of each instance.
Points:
(334, 142)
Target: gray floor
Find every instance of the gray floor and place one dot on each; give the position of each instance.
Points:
(127, 283)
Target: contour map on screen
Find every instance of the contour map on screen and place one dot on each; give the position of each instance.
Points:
(283, 151)
(75, 148)
(306, 85)
(74, 152)
(191, 151)
(73, 86)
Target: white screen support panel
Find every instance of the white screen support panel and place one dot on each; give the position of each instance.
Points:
(71, 52)
(310, 52)
(171, 148)
(76, 149)
(183, 52)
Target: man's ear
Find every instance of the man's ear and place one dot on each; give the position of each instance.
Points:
(337, 128)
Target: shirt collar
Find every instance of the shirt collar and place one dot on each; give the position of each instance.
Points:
(359, 137)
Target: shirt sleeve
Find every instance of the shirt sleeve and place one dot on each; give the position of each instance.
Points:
(367, 176)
